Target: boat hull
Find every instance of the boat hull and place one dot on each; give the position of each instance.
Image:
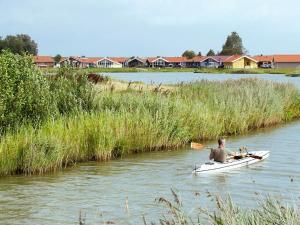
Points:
(211, 167)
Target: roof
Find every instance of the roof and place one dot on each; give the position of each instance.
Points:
(279, 58)
(89, 59)
(118, 59)
(220, 58)
(234, 58)
(109, 59)
(136, 58)
(176, 59)
(43, 59)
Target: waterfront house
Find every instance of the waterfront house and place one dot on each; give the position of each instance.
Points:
(108, 63)
(279, 61)
(44, 61)
(240, 62)
(136, 62)
(265, 61)
(163, 62)
(194, 62)
(121, 60)
(80, 62)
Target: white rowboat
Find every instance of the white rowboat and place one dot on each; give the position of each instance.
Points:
(232, 164)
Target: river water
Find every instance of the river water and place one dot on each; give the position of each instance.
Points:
(123, 190)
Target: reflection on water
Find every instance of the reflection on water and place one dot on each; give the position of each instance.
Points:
(100, 189)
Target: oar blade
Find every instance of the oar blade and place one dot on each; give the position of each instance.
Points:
(197, 146)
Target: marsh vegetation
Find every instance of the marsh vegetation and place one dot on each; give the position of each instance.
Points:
(50, 123)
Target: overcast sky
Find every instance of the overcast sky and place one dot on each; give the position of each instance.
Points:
(152, 27)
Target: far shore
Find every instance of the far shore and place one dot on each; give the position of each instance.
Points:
(284, 71)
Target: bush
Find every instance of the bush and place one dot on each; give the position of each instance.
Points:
(25, 95)
(28, 97)
(72, 91)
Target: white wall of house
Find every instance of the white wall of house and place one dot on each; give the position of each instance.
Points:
(105, 63)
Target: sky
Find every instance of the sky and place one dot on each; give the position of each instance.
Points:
(152, 27)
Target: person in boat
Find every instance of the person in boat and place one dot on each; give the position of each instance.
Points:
(220, 154)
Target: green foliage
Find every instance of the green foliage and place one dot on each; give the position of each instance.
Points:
(57, 58)
(71, 91)
(25, 96)
(233, 45)
(19, 44)
(210, 53)
(28, 97)
(131, 121)
(189, 54)
(269, 212)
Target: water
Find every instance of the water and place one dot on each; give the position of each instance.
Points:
(173, 78)
(100, 190)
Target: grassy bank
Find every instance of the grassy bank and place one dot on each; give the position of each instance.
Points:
(132, 121)
(196, 70)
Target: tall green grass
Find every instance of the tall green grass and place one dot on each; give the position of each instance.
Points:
(126, 122)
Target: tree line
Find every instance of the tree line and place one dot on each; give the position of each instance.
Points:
(19, 44)
(22, 43)
(232, 46)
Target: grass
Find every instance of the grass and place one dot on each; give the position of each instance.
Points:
(131, 121)
(269, 212)
(197, 70)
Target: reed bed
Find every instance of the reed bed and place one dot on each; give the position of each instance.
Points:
(130, 121)
(270, 211)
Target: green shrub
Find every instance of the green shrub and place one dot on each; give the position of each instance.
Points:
(25, 95)
(71, 91)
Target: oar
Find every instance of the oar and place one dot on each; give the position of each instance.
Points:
(198, 146)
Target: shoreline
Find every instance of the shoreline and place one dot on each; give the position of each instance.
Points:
(133, 119)
(287, 71)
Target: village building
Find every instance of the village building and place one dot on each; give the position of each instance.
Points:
(44, 61)
(108, 63)
(136, 62)
(163, 62)
(278, 61)
(79, 62)
(240, 62)
(121, 60)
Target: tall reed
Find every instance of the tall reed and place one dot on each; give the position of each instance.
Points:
(270, 211)
(126, 122)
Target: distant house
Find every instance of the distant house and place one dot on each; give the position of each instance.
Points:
(206, 62)
(265, 61)
(163, 62)
(177, 61)
(279, 61)
(136, 62)
(44, 61)
(80, 62)
(121, 60)
(240, 62)
(108, 63)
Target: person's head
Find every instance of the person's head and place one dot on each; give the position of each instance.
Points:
(222, 142)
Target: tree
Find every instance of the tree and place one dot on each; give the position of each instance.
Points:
(233, 45)
(199, 54)
(210, 53)
(21, 43)
(57, 58)
(189, 54)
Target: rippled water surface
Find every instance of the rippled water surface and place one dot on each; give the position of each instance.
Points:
(102, 191)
